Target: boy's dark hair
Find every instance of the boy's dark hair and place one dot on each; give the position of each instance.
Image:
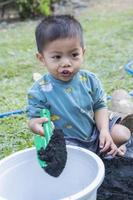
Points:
(56, 27)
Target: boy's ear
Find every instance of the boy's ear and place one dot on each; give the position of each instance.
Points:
(40, 57)
(84, 49)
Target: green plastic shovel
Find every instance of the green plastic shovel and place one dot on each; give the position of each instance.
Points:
(41, 142)
(51, 148)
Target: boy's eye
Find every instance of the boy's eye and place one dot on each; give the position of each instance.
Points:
(56, 57)
(75, 54)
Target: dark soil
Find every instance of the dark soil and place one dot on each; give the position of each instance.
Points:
(118, 182)
(55, 154)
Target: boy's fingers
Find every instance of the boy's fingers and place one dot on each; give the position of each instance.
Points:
(36, 125)
(40, 130)
(41, 120)
(101, 145)
(39, 126)
(36, 121)
(105, 148)
(113, 152)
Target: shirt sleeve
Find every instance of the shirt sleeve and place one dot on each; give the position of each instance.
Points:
(98, 94)
(36, 101)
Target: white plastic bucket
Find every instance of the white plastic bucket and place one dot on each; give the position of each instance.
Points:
(21, 177)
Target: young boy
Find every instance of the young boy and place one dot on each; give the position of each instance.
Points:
(74, 97)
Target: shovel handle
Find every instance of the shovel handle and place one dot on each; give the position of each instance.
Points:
(47, 125)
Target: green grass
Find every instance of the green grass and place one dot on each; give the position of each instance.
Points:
(109, 47)
(108, 39)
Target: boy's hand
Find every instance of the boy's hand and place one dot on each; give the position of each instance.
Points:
(35, 125)
(106, 143)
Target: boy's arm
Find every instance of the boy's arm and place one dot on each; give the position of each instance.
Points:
(36, 101)
(102, 120)
(101, 117)
(105, 140)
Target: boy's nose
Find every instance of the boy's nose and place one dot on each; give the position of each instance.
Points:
(66, 63)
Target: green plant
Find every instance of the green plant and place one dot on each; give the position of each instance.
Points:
(27, 8)
(31, 8)
(45, 7)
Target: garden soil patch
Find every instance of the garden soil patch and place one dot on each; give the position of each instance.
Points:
(118, 182)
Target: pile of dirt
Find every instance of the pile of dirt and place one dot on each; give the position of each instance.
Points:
(118, 182)
(55, 154)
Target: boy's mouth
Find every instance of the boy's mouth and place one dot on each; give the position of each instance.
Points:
(66, 73)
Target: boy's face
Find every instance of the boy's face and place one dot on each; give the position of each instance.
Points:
(63, 58)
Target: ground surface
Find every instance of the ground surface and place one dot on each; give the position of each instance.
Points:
(118, 182)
